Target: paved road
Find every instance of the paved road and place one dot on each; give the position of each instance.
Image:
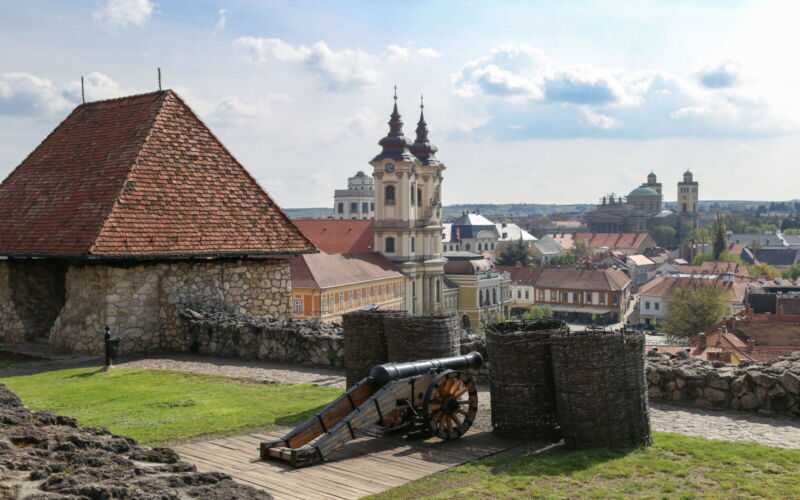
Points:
(725, 425)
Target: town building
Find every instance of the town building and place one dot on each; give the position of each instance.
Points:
(325, 286)
(643, 208)
(339, 236)
(129, 213)
(654, 296)
(408, 212)
(523, 287)
(546, 250)
(484, 292)
(640, 266)
(581, 294)
(358, 200)
(472, 232)
(627, 243)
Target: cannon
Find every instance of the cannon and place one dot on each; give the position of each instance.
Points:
(435, 397)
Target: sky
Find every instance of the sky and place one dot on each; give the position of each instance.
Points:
(528, 102)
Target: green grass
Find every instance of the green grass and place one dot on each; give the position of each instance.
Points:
(161, 406)
(675, 466)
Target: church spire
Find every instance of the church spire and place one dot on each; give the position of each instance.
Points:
(395, 144)
(422, 147)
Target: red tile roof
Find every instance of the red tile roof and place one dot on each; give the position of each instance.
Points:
(624, 241)
(324, 270)
(139, 176)
(663, 286)
(339, 236)
(583, 279)
(716, 268)
(522, 275)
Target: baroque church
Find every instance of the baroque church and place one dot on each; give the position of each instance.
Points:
(408, 212)
(643, 208)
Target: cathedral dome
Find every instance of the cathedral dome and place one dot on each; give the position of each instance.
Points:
(644, 191)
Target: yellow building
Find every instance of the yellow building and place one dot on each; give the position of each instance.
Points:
(483, 291)
(325, 286)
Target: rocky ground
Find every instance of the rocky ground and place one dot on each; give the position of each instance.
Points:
(44, 456)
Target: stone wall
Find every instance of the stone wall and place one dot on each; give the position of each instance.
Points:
(142, 304)
(32, 295)
(287, 341)
(772, 387)
(12, 329)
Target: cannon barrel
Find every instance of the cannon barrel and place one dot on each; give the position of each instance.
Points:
(383, 374)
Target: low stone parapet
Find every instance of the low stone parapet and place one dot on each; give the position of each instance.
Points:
(771, 388)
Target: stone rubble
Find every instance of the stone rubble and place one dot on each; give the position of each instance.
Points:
(770, 388)
(45, 455)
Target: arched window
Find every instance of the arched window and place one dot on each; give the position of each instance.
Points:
(480, 297)
(684, 207)
(419, 197)
(413, 246)
(389, 195)
(468, 247)
(479, 247)
(389, 245)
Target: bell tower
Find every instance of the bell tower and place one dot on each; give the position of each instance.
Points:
(408, 224)
(688, 198)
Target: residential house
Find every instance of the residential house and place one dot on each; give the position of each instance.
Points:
(640, 266)
(472, 232)
(654, 296)
(545, 250)
(627, 243)
(523, 287)
(581, 294)
(779, 258)
(325, 286)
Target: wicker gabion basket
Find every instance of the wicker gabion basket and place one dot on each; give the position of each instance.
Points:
(423, 337)
(521, 380)
(601, 391)
(364, 343)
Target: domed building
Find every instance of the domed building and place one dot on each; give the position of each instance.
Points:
(643, 208)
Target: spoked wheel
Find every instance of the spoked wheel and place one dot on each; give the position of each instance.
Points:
(450, 404)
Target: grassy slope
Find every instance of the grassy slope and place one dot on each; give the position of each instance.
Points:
(674, 467)
(160, 406)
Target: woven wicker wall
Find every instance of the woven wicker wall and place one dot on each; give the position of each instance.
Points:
(601, 391)
(364, 343)
(423, 337)
(521, 381)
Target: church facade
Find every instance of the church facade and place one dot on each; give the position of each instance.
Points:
(643, 208)
(408, 212)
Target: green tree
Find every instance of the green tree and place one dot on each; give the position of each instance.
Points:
(792, 273)
(725, 256)
(581, 249)
(538, 312)
(702, 235)
(664, 235)
(694, 309)
(720, 239)
(515, 253)
(763, 270)
(567, 259)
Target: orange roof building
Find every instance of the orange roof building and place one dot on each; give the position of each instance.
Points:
(130, 211)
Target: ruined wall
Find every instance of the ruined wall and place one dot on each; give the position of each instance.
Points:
(282, 340)
(772, 387)
(142, 304)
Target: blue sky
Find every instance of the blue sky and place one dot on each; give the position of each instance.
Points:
(538, 102)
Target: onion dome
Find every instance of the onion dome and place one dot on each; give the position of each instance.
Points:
(395, 144)
(422, 147)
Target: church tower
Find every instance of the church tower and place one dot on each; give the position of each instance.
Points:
(408, 212)
(688, 198)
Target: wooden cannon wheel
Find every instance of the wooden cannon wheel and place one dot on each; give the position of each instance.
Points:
(450, 404)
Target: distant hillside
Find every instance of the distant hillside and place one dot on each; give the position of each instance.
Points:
(500, 211)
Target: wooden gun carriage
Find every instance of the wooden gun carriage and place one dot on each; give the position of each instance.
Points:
(431, 397)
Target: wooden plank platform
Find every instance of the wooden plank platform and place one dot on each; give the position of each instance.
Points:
(362, 467)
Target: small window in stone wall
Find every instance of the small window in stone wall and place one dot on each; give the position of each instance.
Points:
(298, 305)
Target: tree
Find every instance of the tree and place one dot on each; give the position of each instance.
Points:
(567, 259)
(763, 270)
(664, 235)
(792, 273)
(702, 235)
(694, 309)
(720, 239)
(725, 256)
(538, 312)
(581, 249)
(513, 254)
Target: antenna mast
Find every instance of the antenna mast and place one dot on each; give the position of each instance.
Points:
(83, 95)
(159, 79)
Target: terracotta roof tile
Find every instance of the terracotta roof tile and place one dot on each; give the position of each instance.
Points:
(339, 236)
(324, 270)
(138, 176)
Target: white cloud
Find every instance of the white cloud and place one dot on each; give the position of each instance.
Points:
(429, 53)
(26, 94)
(396, 53)
(322, 180)
(222, 20)
(341, 70)
(122, 14)
(597, 120)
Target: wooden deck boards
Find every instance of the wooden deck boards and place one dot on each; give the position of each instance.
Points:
(362, 467)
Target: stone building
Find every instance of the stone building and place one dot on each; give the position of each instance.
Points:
(128, 213)
(484, 291)
(643, 208)
(408, 212)
(358, 200)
